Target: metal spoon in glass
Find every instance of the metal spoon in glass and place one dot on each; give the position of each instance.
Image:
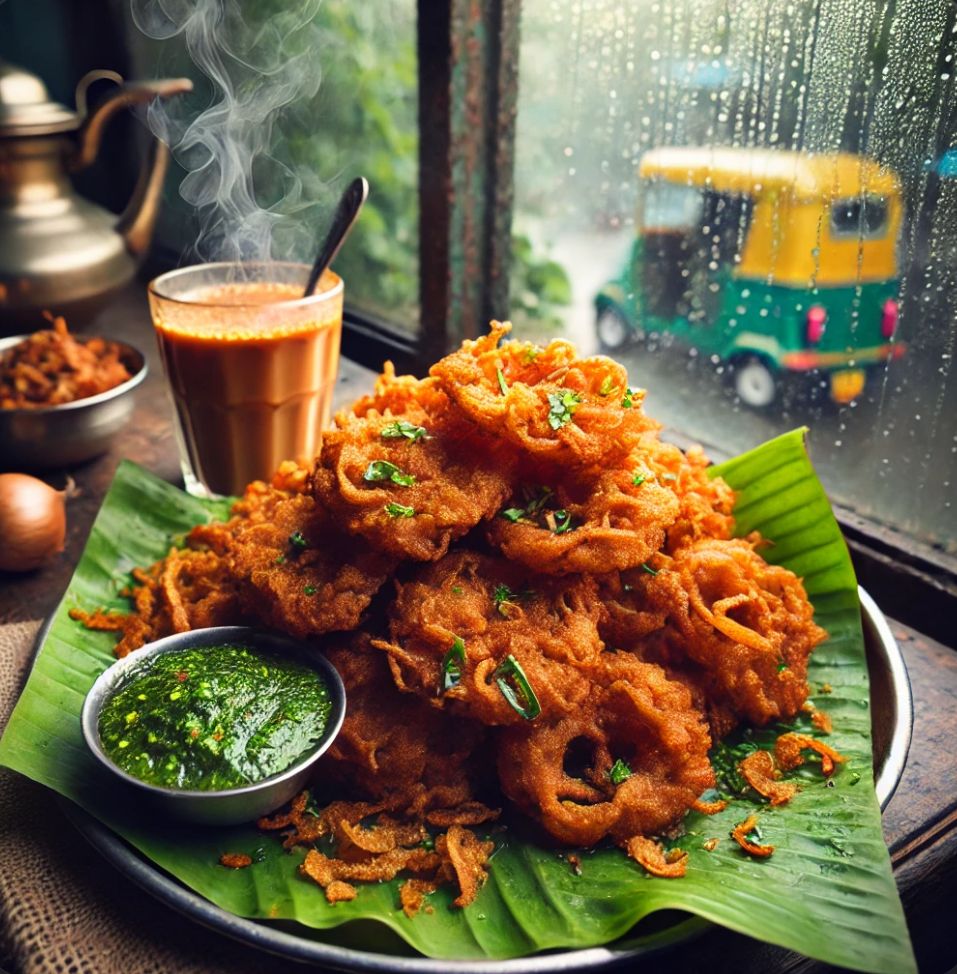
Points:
(345, 215)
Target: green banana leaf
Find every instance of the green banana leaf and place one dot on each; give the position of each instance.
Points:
(827, 891)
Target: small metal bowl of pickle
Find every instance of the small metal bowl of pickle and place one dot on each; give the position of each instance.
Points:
(46, 437)
(215, 726)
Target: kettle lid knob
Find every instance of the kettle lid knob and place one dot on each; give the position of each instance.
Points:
(25, 105)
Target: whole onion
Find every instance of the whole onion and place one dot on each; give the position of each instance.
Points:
(32, 522)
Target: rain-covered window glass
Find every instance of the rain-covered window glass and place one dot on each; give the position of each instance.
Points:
(292, 101)
(754, 206)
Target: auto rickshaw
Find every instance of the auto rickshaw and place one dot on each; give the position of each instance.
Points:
(774, 261)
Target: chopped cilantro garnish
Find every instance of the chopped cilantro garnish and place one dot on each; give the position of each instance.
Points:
(619, 772)
(560, 522)
(648, 569)
(400, 428)
(310, 590)
(280, 559)
(502, 594)
(725, 759)
(562, 407)
(513, 514)
(782, 667)
(628, 401)
(514, 686)
(638, 479)
(297, 541)
(311, 807)
(380, 470)
(502, 384)
(399, 510)
(452, 665)
(505, 599)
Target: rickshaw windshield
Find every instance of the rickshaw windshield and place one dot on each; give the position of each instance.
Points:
(667, 206)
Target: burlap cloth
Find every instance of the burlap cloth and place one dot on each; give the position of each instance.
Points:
(63, 910)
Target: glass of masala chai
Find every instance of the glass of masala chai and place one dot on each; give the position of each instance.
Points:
(251, 366)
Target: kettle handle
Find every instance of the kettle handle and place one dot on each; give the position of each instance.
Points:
(91, 131)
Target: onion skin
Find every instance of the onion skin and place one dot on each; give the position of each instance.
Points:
(32, 522)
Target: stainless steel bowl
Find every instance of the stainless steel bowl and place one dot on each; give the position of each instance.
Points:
(57, 436)
(229, 806)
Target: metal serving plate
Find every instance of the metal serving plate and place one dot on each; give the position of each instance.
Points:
(59, 436)
(892, 720)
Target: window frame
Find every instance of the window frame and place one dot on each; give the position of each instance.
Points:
(468, 98)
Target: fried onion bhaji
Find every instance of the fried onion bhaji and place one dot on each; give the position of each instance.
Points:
(393, 746)
(587, 526)
(186, 590)
(550, 404)
(471, 632)
(742, 629)
(629, 761)
(409, 495)
(194, 587)
(395, 395)
(705, 503)
(295, 570)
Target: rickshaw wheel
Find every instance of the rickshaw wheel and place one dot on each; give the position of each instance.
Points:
(755, 383)
(612, 328)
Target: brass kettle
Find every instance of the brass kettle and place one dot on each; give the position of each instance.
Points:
(58, 251)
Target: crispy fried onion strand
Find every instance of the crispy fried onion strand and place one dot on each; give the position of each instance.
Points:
(652, 858)
(788, 748)
(759, 770)
(740, 835)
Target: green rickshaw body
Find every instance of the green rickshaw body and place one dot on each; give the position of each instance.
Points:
(781, 268)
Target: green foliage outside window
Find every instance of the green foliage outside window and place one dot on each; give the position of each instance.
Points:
(365, 120)
(362, 120)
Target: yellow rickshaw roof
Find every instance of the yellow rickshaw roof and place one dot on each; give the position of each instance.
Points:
(760, 171)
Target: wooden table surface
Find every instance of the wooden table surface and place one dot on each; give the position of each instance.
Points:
(920, 823)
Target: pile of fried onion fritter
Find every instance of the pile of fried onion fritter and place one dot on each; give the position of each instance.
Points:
(532, 600)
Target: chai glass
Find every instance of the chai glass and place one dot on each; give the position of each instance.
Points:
(251, 366)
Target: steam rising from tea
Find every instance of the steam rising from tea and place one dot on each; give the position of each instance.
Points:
(261, 63)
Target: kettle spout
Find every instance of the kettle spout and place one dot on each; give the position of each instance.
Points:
(137, 221)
